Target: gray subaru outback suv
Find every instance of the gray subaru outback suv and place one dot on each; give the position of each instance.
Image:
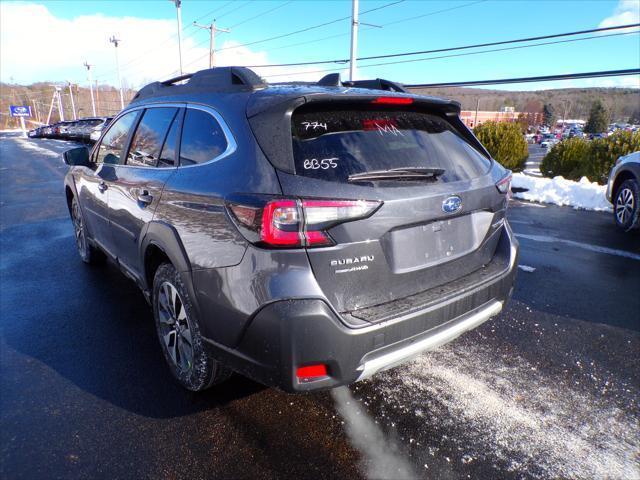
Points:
(304, 235)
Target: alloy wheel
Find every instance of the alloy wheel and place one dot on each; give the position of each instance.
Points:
(624, 205)
(175, 330)
(78, 226)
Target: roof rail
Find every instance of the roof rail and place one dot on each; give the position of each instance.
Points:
(218, 79)
(333, 80)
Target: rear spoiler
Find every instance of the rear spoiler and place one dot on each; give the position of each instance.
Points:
(270, 117)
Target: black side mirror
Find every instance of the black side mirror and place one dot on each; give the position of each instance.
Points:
(77, 156)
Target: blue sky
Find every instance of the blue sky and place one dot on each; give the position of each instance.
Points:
(148, 49)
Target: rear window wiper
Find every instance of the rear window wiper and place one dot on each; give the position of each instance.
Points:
(404, 173)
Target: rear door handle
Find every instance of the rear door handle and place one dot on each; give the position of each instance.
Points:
(144, 197)
(102, 186)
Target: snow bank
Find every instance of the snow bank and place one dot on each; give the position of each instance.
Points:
(560, 191)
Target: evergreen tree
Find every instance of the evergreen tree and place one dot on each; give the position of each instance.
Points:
(548, 115)
(598, 118)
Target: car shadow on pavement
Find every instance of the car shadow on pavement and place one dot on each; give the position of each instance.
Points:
(91, 325)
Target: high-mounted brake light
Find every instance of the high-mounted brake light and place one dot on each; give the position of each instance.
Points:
(299, 223)
(393, 101)
(504, 185)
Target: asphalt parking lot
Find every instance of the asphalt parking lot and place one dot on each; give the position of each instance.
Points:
(548, 389)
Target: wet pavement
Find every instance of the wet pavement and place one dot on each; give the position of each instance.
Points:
(549, 389)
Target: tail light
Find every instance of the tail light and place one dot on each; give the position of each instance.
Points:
(299, 222)
(504, 185)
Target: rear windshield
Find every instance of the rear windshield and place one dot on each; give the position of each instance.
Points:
(332, 144)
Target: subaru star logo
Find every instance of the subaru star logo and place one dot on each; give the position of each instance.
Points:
(452, 204)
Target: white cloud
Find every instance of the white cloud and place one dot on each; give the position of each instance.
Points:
(625, 13)
(35, 46)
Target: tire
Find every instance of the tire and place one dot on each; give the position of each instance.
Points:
(626, 205)
(87, 252)
(179, 333)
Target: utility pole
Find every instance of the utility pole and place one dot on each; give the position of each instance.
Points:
(73, 104)
(115, 42)
(97, 96)
(55, 98)
(35, 109)
(354, 39)
(475, 120)
(179, 18)
(60, 110)
(212, 39)
(93, 103)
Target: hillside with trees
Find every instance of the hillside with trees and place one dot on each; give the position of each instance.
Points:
(622, 104)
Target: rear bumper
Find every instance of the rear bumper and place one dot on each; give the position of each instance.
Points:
(288, 334)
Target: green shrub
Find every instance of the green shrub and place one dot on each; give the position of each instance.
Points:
(605, 152)
(505, 143)
(568, 158)
(576, 158)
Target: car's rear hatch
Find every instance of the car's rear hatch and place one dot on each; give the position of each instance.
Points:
(433, 228)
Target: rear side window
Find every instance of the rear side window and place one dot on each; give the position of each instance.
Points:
(150, 136)
(332, 144)
(115, 140)
(202, 138)
(168, 154)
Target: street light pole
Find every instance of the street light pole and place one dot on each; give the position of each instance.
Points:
(115, 42)
(354, 39)
(60, 110)
(73, 104)
(212, 39)
(93, 103)
(177, 3)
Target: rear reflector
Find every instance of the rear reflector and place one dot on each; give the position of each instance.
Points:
(393, 101)
(504, 185)
(311, 371)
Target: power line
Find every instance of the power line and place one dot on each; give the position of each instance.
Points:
(450, 49)
(312, 27)
(261, 14)
(138, 59)
(542, 78)
(234, 10)
(461, 54)
(375, 28)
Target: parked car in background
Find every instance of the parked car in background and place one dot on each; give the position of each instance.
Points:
(304, 235)
(65, 128)
(96, 129)
(623, 191)
(37, 132)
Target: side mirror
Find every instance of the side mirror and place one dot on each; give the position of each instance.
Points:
(77, 156)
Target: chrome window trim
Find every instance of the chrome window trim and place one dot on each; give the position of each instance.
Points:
(231, 141)
(134, 109)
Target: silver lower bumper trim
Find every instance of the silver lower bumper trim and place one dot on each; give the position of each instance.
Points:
(408, 352)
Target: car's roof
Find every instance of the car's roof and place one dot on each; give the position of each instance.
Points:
(237, 80)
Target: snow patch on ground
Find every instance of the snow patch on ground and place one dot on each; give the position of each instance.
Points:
(30, 145)
(560, 191)
(535, 424)
(527, 268)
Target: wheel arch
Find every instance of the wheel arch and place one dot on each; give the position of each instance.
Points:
(622, 176)
(70, 192)
(161, 243)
